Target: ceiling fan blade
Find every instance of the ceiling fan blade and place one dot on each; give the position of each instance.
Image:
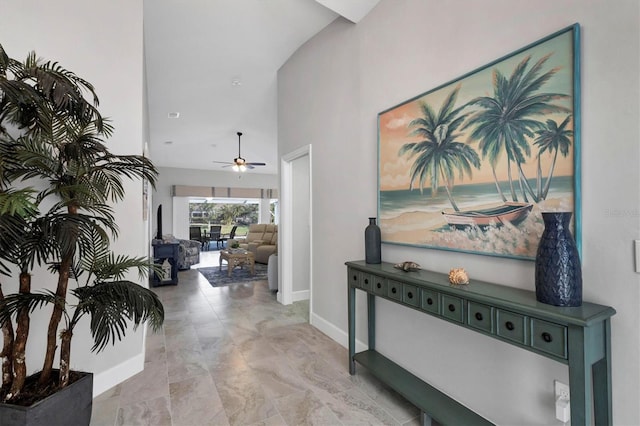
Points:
(224, 164)
(257, 164)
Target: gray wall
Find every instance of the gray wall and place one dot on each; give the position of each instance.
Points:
(172, 176)
(329, 94)
(88, 38)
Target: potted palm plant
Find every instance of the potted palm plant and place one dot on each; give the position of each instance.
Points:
(58, 183)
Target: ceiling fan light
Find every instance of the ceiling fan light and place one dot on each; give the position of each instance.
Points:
(242, 167)
(235, 168)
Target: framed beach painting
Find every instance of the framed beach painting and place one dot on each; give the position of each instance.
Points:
(470, 165)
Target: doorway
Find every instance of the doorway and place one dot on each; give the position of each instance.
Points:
(296, 230)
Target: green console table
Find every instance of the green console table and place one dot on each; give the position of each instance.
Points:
(579, 337)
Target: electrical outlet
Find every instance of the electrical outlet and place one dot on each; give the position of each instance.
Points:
(562, 390)
(562, 398)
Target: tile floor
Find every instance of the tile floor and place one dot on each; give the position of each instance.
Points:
(235, 356)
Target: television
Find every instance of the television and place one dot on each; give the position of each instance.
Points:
(159, 222)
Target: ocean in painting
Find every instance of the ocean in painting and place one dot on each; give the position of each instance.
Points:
(415, 218)
(395, 203)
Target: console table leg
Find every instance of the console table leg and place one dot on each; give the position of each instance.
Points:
(351, 301)
(602, 382)
(426, 419)
(580, 378)
(590, 374)
(371, 326)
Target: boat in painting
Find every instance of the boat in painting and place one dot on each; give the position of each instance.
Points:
(513, 213)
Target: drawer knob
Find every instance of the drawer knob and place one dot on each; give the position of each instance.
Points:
(393, 290)
(452, 307)
(547, 337)
(366, 281)
(379, 285)
(509, 325)
(410, 295)
(478, 316)
(429, 301)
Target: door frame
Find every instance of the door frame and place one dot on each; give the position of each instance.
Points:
(285, 228)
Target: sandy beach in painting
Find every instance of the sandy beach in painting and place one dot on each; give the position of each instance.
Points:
(429, 229)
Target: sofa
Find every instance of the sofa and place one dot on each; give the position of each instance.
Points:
(188, 251)
(261, 240)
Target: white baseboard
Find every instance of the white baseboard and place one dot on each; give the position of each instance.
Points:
(335, 333)
(118, 374)
(300, 295)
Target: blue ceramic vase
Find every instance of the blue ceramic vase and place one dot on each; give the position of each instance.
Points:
(558, 270)
(372, 243)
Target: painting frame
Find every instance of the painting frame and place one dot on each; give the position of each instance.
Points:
(470, 165)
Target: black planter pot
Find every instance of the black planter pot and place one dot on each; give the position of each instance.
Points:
(558, 269)
(70, 406)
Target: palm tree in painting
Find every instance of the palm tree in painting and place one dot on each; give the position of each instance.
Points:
(439, 155)
(554, 139)
(506, 120)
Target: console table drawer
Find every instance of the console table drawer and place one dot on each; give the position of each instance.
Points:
(452, 308)
(410, 295)
(366, 282)
(480, 316)
(380, 285)
(549, 337)
(354, 277)
(394, 290)
(430, 301)
(511, 326)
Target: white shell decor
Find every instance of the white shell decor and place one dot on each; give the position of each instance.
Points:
(458, 276)
(407, 266)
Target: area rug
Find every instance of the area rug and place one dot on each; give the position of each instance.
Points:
(219, 278)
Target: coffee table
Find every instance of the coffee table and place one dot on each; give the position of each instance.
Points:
(237, 258)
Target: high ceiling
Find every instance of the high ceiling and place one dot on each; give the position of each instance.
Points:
(215, 63)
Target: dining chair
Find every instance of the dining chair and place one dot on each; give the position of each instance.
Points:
(214, 234)
(195, 234)
(229, 236)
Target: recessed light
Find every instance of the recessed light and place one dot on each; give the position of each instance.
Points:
(173, 115)
(168, 142)
(236, 82)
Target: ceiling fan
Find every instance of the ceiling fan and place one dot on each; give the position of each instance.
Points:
(239, 164)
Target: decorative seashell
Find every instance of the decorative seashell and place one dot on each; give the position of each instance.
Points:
(407, 266)
(458, 276)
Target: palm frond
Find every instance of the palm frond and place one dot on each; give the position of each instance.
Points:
(518, 73)
(4, 60)
(18, 202)
(13, 303)
(112, 305)
(447, 105)
(115, 267)
(20, 105)
(32, 156)
(407, 147)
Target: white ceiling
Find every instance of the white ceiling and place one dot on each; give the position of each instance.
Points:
(195, 49)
